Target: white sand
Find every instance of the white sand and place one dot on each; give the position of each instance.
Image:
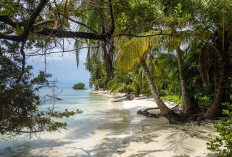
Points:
(153, 137)
(166, 142)
(141, 136)
(77, 147)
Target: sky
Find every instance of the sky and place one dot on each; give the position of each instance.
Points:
(63, 67)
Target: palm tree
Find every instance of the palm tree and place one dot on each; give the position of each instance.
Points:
(211, 25)
(97, 20)
(137, 47)
(166, 69)
(188, 105)
(217, 13)
(163, 108)
(134, 52)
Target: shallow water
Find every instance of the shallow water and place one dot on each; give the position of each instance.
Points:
(85, 132)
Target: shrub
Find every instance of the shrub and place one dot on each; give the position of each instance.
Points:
(175, 98)
(223, 143)
(79, 86)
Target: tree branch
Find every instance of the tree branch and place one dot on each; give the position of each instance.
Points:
(33, 17)
(51, 32)
(80, 23)
(142, 36)
(71, 34)
(10, 21)
(10, 37)
(23, 62)
(112, 20)
(41, 54)
(44, 22)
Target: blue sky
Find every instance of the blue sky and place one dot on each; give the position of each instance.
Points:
(63, 68)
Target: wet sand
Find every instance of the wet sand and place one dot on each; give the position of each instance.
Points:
(155, 137)
(89, 134)
(120, 132)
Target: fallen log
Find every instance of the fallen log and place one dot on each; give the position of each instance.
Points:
(54, 97)
(119, 100)
(148, 114)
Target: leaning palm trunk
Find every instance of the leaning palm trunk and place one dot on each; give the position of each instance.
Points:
(215, 109)
(163, 108)
(188, 105)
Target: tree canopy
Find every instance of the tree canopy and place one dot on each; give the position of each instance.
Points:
(165, 47)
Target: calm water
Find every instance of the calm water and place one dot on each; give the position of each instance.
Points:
(86, 133)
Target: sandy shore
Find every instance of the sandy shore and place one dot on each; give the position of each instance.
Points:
(155, 137)
(118, 131)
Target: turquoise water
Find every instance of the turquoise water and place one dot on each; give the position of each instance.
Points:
(86, 133)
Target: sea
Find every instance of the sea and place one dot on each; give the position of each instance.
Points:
(91, 133)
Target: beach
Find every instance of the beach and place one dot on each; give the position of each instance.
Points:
(111, 128)
(155, 137)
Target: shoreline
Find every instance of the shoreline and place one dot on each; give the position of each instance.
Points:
(109, 128)
(155, 137)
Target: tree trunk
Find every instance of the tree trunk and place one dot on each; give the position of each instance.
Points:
(157, 89)
(163, 108)
(215, 109)
(188, 105)
(108, 59)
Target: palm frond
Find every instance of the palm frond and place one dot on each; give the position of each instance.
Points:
(132, 52)
(77, 46)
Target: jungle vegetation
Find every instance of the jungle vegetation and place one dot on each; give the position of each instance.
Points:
(79, 86)
(153, 47)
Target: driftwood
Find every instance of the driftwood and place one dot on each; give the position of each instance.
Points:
(119, 100)
(148, 114)
(125, 97)
(173, 117)
(54, 97)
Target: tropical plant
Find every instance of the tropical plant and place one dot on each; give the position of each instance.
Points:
(134, 52)
(79, 86)
(19, 101)
(167, 74)
(140, 46)
(223, 142)
(96, 20)
(210, 25)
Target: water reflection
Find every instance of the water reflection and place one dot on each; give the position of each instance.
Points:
(85, 134)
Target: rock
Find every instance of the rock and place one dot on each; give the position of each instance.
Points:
(136, 95)
(130, 97)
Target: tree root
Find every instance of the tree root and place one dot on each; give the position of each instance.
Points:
(172, 117)
(148, 114)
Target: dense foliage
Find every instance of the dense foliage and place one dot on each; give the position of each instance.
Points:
(223, 142)
(153, 47)
(19, 102)
(79, 86)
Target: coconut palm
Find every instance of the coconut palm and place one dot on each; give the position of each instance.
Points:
(134, 52)
(188, 105)
(217, 14)
(96, 19)
(209, 24)
(167, 72)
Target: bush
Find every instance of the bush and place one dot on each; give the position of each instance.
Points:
(175, 98)
(79, 86)
(20, 111)
(223, 143)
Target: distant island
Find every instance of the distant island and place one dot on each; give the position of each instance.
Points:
(79, 86)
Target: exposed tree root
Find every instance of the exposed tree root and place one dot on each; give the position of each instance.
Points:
(172, 117)
(148, 114)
